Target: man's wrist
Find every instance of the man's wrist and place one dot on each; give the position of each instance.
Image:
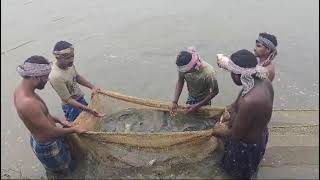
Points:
(87, 109)
(92, 86)
(175, 102)
(74, 130)
(60, 120)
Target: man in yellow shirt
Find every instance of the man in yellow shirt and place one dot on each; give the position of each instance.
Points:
(65, 81)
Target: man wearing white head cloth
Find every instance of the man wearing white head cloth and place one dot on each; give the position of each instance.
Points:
(266, 51)
(65, 80)
(200, 77)
(246, 134)
(47, 139)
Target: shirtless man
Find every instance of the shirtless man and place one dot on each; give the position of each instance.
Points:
(266, 51)
(246, 134)
(46, 138)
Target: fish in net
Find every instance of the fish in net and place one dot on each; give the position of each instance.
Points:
(140, 132)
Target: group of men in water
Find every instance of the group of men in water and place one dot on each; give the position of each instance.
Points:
(244, 133)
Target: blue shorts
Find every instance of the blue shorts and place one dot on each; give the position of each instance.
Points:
(70, 112)
(54, 156)
(241, 160)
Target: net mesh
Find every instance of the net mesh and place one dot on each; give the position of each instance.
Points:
(139, 132)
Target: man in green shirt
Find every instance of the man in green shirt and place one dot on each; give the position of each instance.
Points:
(200, 77)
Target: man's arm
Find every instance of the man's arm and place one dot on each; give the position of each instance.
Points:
(221, 130)
(177, 93)
(271, 72)
(39, 122)
(178, 90)
(63, 121)
(57, 120)
(240, 123)
(78, 105)
(214, 90)
(60, 87)
(81, 80)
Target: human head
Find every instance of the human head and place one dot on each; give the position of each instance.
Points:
(245, 59)
(183, 59)
(188, 61)
(266, 46)
(36, 69)
(244, 69)
(64, 53)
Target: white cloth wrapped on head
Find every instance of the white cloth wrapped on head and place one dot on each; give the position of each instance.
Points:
(34, 69)
(269, 44)
(247, 74)
(194, 62)
(64, 52)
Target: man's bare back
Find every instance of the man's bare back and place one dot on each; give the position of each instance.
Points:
(258, 102)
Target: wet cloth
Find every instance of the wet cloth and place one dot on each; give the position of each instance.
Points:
(70, 112)
(64, 82)
(247, 74)
(33, 69)
(268, 44)
(54, 156)
(63, 53)
(240, 159)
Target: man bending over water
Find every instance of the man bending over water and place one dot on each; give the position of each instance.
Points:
(200, 78)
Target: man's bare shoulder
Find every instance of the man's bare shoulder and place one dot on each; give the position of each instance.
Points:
(257, 98)
(27, 104)
(250, 100)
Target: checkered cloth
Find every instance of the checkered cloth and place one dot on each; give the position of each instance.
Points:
(54, 156)
(70, 112)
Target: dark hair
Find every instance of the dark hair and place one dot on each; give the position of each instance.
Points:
(37, 60)
(244, 58)
(270, 37)
(183, 58)
(61, 45)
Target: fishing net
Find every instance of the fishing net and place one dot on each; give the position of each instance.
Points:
(140, 132)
